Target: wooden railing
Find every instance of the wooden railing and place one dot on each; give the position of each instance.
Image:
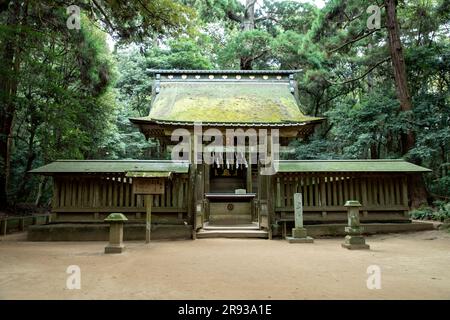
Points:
(114, 193)
(9, 224)
(328, 192)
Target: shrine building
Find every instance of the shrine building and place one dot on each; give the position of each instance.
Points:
(236, 191)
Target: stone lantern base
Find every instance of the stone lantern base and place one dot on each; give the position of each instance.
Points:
(114, 248)
(299, 235)
(355, 242)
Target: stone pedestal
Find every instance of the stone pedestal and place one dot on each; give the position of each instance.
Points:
(115, 244)
(354, 240)
(299, 233)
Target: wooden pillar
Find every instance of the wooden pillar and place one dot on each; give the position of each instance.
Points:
(207, 176)
(148, 219)
(363, 192)
(249, 174)
(323, 200)
(404, 191)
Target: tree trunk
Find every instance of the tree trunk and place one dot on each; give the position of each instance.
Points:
(417, 193)
(31, 155)
(8, 90)
(398, 63)
(248, 24)
(42, 184)
(416, 185)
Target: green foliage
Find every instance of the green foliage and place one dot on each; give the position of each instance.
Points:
(74, 97)
(440, 212)
(251, 45)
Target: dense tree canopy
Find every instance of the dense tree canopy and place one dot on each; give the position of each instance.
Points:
(384, 90)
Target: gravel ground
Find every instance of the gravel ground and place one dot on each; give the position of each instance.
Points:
(413, 266)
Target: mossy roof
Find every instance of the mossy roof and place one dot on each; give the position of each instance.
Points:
(112, 166)
(227, 101)
(348, 166)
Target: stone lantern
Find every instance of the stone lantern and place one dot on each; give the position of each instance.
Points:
(354, 239)
(116, 221)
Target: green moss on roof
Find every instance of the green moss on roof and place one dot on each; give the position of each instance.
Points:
(348, 166)
(116, 217)
(226, 102)
(112, 166)
(149, 174)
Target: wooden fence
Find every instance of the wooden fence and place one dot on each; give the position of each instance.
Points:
(9, 224)
(98, 195)
(383, 196)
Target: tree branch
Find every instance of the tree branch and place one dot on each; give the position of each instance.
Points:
(99, 7)
(363, 75)
(353, 40)
(233, 16)
(251, 3)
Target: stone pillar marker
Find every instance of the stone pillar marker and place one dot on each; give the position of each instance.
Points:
(115, 244)
(299, 233)
(354, 240)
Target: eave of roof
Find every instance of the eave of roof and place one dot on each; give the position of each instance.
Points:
(112, 166)
(177, 71)
(148, 120)
(396, 165)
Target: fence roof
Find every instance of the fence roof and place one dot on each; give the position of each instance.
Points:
(112, 166)
(349, 166)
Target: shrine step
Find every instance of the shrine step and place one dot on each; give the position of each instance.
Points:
(232, 233)
(246, 226)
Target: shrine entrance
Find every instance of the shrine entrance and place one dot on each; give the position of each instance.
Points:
(230, 196)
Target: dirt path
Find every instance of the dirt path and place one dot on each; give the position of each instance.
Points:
(413, 266)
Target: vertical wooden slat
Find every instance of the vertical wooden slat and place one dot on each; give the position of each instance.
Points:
(329, 190)
(364, 197)
(381, 190)
(176, 188)
(91, 192)
(323, 200)
(290, 192)
(368, 184)
(404, 191)
(132, 195)
(110, 192)
(334, 190)
(352, 194)
(346, 195)
(387, 195)
(316, 190)
(181, 194)
(392, 190)
(277, 192)
(398, 199)
(126, 196)
(68, 193)
(310, 190)
(62, 196)
(115, 187)
(56, 188)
